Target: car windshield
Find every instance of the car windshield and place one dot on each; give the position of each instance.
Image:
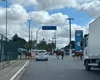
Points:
(41, 51)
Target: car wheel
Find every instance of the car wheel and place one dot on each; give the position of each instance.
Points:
(36, 59)
(87, 67)
(46, 59)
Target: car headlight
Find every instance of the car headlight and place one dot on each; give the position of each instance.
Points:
(45, 56)
(86, 57)
(37, 56)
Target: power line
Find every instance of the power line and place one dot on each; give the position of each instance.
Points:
(81, 21)
(86, 10)
(76, 14)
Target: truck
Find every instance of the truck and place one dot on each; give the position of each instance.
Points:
(92, 50)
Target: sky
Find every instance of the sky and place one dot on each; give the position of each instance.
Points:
(45, 13)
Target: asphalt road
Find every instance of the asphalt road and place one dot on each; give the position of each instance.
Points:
(54, 69)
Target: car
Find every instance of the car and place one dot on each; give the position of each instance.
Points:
(41, 55)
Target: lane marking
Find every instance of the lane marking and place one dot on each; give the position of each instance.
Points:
(15, 75)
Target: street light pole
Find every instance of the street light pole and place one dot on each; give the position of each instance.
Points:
(6, 16)
(37, 38)
(55, 40)
(29, 33)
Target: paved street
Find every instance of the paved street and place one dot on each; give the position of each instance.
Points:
(54, 69)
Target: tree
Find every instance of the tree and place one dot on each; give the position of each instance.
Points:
(66, 48)
(50, 46)
(42, 45)
(20, 41)
(31, 45)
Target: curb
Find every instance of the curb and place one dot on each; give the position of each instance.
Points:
(6, 64)
(20, 72)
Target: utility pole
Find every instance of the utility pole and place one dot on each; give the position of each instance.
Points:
(55, 39)
(70, 33)
(6, 15)
(29, 35)
(31, 38)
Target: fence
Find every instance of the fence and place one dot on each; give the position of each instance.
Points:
(8, 49)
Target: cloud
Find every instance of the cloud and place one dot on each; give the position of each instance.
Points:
(92, 8)
(25, 2)
(15, 14)
(16, 18)
(44, 18)
(54, 4)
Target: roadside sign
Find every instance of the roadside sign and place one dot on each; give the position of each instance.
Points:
(78, 39)
(49, 28)
(78, 43)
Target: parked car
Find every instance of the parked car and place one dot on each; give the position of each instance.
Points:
(41, 55)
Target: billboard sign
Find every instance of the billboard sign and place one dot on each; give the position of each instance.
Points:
(78, 39)
(49, 28)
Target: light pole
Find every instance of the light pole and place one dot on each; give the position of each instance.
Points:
(6, 16)
(55, 40)
(29, 34)
(37, 38)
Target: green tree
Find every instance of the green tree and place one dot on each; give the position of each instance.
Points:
(66, 48)
(42, 45)
(50, 46)
(31, 44)
(20, 41)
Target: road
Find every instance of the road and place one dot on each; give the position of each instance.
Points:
(54, 69)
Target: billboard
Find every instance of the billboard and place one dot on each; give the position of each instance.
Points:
(78, 39)
(49, 28)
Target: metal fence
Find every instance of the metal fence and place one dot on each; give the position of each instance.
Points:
(8, 49)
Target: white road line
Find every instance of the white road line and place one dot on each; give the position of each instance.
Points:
(15, 75)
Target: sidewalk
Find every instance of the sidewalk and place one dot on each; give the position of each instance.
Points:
(6, 64)
(8, 72)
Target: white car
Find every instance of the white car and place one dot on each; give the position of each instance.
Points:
(41, 55)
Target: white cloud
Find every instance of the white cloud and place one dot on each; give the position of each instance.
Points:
(92, 8)
(44, 18)
(15, 14)
(25, 2)
(54, 4)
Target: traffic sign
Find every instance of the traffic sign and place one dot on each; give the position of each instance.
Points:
(49, 28)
